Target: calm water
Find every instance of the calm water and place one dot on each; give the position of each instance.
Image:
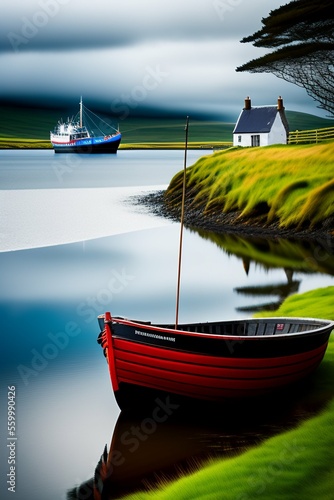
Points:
(73, 245)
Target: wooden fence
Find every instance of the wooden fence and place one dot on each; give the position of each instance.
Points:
(309, 136)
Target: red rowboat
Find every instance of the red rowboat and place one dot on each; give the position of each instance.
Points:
(209, 361)
(213, 361)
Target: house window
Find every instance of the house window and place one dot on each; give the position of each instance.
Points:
(255, 140)
(239, 138)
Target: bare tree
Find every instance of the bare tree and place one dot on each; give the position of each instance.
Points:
(302, 34)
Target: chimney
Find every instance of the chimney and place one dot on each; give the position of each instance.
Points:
(248, 104)
(280, 103)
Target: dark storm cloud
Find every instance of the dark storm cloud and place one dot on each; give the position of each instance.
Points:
(132, 56)
(80, 24)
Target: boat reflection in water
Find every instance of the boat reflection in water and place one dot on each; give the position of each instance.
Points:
(165, 440)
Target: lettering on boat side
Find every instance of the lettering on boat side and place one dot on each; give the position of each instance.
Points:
(155, 336)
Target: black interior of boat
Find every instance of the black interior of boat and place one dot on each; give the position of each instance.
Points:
(248, 328)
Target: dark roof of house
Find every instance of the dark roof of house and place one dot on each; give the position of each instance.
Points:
(258, 120)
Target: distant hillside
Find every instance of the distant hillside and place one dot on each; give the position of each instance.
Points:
(29, 123)
(35, 123)
(304, 121)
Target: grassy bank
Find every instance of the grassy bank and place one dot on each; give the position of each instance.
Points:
(24, 143)
(297, 464)
(289, 187)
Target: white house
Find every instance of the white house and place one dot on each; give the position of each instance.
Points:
(261, 125)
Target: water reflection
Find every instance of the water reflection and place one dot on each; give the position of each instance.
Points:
(281, 290)
(302, 256)
(165, 440)
(46, 288)
(315, 256)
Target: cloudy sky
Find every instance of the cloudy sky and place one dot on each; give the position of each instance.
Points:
(177, 56)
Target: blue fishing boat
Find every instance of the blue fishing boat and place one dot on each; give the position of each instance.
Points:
(75, 136)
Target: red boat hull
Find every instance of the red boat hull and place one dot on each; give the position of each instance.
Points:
(233, 366)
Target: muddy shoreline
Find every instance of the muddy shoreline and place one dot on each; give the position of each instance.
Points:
(158, 204)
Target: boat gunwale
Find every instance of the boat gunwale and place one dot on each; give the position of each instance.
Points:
(326, 324)
(73, 142)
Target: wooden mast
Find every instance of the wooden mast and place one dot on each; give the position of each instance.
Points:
(181, 226)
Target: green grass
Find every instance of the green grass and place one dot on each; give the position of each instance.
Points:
(305, 121)
(296, 464)
(292, 185)
(313, 304)
(20, 143)
(168, 130)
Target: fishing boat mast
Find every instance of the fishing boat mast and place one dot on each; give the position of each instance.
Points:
(181, 226)
(81, 112)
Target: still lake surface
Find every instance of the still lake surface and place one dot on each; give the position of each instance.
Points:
(73, 245)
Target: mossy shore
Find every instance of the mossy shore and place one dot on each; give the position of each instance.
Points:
(276, 190)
